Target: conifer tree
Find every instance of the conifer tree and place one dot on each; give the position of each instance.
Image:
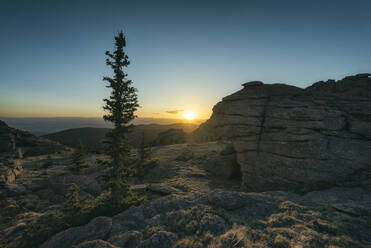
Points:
(72, 203)
(120, 108)
(78, 158)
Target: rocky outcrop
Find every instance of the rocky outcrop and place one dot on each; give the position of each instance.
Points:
(289, 138)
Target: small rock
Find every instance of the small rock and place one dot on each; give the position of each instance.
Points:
(96, 244)
(15, 189)
(163, 190)
(139, 187)
(226, 199)
(160, 239)
(185, 156)
(129, 239)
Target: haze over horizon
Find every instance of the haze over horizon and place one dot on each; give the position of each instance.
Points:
(185, 56)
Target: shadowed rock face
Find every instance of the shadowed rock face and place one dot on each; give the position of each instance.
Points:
(291, 138)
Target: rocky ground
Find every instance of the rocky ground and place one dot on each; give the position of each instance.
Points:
(222, 218)
(194, 200)
(41, 187)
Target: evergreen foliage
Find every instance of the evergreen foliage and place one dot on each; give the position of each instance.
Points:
(72, 202)
(75, 211)
(37, 166)
(120, 108)
(78, 159)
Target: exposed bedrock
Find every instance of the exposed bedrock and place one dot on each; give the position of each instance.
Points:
(290, 138)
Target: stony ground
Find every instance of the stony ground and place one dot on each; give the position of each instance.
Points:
(185, 168)
(232, 219)
(190, 204)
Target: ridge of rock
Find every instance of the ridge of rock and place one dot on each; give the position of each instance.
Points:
(289, 138)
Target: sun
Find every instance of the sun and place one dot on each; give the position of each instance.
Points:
(189, 115)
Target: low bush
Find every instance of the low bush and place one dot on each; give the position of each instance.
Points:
(75, 211)
(142, 167)
(37, 166)
(48, 163)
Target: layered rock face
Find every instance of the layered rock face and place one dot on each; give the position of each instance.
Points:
(289, 138)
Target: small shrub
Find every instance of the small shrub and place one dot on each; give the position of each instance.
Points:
(37, 166)
(78, 163)
(76, 211)
(44, 227)
(48, 162)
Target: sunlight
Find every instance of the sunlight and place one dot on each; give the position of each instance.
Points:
(189, 115)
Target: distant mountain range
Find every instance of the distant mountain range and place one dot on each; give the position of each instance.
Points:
(15, 142)
(43, 126)
(92, 137)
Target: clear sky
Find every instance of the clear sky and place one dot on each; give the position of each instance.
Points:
(185, 55)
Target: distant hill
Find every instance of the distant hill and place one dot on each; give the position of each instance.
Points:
(44, 126)
(91, 137)
(14, 141)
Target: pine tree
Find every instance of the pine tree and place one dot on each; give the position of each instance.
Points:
(72, 203)
(78, 159)
(120, 108)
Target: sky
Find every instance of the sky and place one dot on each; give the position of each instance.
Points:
(185, 55)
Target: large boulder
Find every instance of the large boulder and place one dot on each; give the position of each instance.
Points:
(96, 229)
(60, 183)
(290, 138)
